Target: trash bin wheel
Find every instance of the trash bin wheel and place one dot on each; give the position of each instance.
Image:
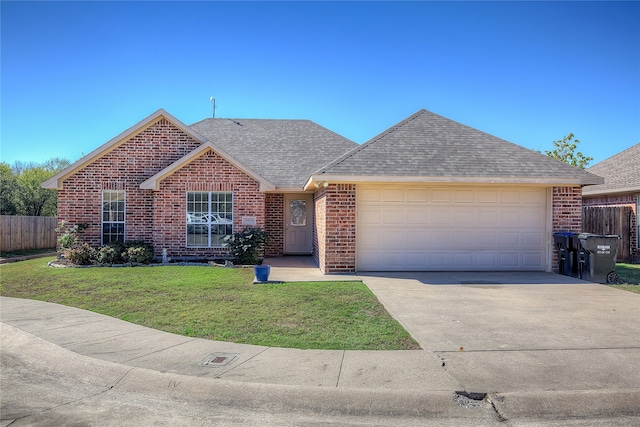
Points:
(612, 277)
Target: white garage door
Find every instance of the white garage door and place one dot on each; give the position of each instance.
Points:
(415, 228)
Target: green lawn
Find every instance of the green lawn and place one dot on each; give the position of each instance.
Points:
(629, 277)
(217, 303)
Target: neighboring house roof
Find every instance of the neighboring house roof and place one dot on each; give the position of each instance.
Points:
(284, 152)
(427, 147)
(621, 173)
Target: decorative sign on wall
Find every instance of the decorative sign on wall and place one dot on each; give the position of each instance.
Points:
(248, 220)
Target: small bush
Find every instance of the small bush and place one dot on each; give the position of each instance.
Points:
(138, 252)
(69, 239)
(111, 254)
(80, 254)
(247, 246)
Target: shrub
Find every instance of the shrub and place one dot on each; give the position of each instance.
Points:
(111, 254)
(138, 252)
(247, 246)
(69, 239)
(80, 254)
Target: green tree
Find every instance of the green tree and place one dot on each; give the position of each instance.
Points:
(28, 196)
(565, 151)
(33, 200)
(8, 188)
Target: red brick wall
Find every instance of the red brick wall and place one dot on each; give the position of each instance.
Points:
(566, 214)
(335, 228)
(124, 168)
(567, 209)
(158, 217)
(209, 172)
(274, 223)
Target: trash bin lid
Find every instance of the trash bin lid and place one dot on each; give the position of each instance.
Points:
(563, 233)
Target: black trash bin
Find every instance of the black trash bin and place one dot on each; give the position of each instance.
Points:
(599, 253)
(565, 243)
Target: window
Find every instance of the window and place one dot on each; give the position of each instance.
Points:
(112, 216)
(638, 222)
(209, 218)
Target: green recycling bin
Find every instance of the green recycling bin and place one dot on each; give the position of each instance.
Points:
(602, 251)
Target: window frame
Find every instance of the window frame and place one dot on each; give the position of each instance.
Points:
(111, 213)
(211, 219)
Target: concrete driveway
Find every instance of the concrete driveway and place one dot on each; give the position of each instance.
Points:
(520, 333)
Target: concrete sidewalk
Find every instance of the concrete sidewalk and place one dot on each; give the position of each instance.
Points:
(541, 351)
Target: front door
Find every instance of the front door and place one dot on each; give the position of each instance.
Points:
(298, 231)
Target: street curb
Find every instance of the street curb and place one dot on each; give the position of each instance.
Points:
(562, 404)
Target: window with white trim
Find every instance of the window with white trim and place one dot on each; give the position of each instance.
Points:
(113, 210)
(638, 222)
(209, 218)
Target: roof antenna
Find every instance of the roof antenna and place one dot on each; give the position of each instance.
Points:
(213, 102)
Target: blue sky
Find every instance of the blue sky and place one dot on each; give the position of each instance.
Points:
(76, 74)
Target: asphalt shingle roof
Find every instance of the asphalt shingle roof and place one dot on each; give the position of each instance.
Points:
(284, 152)
(620, 172)
(426, 144)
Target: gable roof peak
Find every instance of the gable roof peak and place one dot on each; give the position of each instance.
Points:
(434, 147)
(55, 182)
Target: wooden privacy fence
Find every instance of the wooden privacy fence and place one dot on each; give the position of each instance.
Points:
(610, 220)
(27, 232)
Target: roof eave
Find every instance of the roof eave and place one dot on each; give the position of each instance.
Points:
(599, 192)
(56, 181)
(361, 179)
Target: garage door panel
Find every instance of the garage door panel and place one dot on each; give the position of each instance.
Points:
(369, 194)
(487, 238)
(418, 239)
(444, 228)
(392, 216)
(463, 217)
(532, 239)
(393, 195)
(509, 260)
(531, 218)
(487, 218)
(393, 239)
(509, 197)
(417, 195)
(439, 195)
(488, 261)
(531, 260)
(533, 197)
(463, 196)
(417, 217)
(487, 196)
(508, 238)
(440, 216)
(371, 216)
(510, 218)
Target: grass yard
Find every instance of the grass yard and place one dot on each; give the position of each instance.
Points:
(629, 277)
(218, 304)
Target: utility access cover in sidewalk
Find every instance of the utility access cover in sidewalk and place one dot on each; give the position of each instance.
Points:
(215, 360)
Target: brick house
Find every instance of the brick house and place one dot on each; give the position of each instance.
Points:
(427, 194)
(621, 188)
